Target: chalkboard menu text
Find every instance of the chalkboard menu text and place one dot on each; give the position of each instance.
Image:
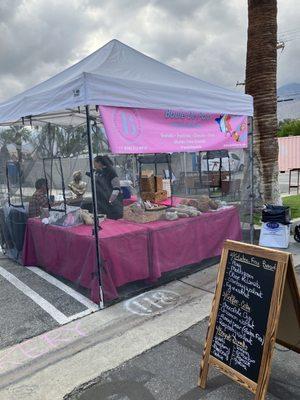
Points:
(243, 312)
(256, 303)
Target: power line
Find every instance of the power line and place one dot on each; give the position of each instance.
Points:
(284, 100)
(288, 37)
(289, 32)
(290, 40)
(279, 45)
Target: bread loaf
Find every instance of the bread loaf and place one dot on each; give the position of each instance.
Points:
(203, 203)
(213, 204)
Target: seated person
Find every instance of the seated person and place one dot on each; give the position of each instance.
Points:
(39, 199)
(77, 186)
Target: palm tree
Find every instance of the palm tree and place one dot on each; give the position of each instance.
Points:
(261, 71)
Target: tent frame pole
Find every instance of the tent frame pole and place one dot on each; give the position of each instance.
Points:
(94, 199)
(251, 156)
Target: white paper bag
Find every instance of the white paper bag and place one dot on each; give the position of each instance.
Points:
(273, 234)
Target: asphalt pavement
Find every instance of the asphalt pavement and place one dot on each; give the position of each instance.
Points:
(31, 305)
(170, 371)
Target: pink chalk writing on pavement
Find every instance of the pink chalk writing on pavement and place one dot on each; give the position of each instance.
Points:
(37, 347)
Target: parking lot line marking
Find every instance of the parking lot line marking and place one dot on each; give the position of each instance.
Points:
(79, 315)
(71, 292)
(40, 301)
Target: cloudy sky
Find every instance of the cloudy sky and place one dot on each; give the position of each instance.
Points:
(205, 38)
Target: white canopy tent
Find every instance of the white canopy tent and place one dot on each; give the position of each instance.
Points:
(117, 75)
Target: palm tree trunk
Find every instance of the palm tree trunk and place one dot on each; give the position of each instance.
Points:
(261, 71)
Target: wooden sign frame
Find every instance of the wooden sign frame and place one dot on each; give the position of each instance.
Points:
(285, 288)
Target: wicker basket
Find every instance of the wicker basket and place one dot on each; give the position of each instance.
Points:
(155, 197)
(144, 217)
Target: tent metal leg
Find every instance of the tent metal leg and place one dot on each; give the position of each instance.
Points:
(250, 129)
(94, 198)
(169, 156)
(199, 169)
(185, 173)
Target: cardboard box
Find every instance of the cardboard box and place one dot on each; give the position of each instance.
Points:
(158, 183)
(147, 173)
(147, 184)
(151, 183)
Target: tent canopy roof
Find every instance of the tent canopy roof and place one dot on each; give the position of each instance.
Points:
(117, 75)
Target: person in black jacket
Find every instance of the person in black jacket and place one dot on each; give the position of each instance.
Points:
(108, 189)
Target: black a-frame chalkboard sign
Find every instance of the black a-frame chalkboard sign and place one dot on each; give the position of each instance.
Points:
(256, 303)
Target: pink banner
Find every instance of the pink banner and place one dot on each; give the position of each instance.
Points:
(138, 130)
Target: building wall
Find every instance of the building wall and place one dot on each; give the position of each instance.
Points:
(289, 152)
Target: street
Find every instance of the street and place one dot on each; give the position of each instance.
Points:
(284, 183)
(170, 370)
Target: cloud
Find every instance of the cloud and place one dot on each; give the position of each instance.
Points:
(40, 39)
(288, 29)
(8, 9)
(206, 38)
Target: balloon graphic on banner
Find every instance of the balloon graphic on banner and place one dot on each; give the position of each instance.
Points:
(224, 124)
(238, 134)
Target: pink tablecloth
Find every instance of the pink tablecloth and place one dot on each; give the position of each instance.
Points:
(130, 251)
(70, 253)
(189, 241)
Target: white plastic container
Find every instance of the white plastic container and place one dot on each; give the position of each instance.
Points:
(167, 186)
